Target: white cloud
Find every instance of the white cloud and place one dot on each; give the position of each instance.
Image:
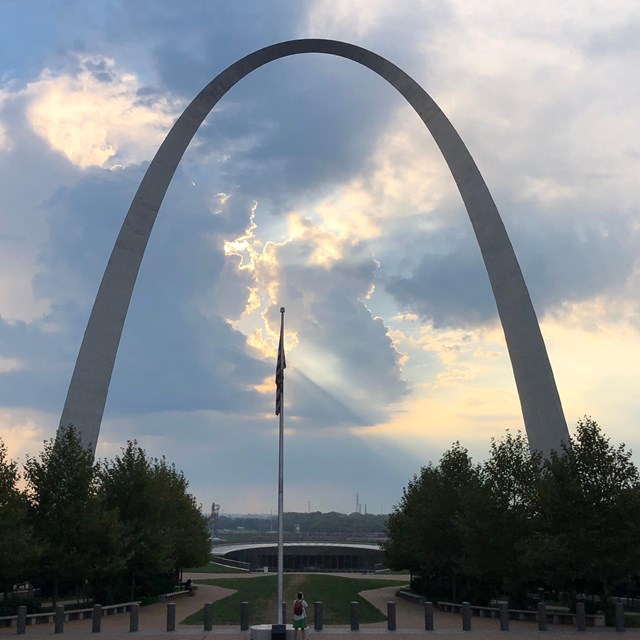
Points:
(352, 20)
(4, 139)
(8, 364)
(23, 431)
(5, 143)
(95, 116)
(17, 301)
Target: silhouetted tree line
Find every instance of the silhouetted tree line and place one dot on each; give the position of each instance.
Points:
(518, 525)
(109, 531)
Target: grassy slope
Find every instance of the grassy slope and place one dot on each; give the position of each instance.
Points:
(335, 592)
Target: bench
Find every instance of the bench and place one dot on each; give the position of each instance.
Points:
(174, 595)
(412, 597)
(553, 616)
(49, 617)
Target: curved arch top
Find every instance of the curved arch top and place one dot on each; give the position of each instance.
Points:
(541, 408)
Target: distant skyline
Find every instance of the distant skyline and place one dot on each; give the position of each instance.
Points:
(325, 195)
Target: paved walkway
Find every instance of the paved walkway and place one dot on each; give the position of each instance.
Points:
(409, 622)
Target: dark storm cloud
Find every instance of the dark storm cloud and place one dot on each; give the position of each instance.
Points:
(171, 356)
(43, 360)
(303, 123)
(575, 261)
(169, 362)
(83, 221)
(305, 126)
(563, 261)
(448, 289)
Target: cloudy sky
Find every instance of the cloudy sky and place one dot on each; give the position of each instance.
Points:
(313, 186)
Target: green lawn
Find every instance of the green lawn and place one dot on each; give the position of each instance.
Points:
(335, 592)
(632, 620)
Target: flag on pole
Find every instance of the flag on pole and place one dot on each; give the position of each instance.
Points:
(280, 367)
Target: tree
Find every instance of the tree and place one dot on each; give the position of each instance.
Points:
(589, 515)
(164, 529)
(78, 536)
(498, 517)
(186, 525)
(18, 550)
(425, 529)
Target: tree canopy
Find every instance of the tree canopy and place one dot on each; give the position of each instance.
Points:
(517, 522)
(110, 529)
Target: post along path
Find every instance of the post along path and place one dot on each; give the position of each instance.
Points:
(409, 621)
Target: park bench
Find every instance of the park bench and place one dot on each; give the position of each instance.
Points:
(553, 616)
(174, 595)
(49, 617)
(409, 595)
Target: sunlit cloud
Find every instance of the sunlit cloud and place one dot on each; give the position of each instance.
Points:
(4, 139)
(23, 432)
(323, 246)
(95, 116)
(259, 259)
(9, 364)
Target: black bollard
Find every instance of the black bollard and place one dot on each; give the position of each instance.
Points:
(428, 616)
(96, 618)
(619, 616)
(355, 616)
(317, 616)
(171, 616)
(391, 616)
(581, 618)
(244, 616)
(504, 616)
(21, 623)
(466, 616)
(542, 616)
(134, 617)
(59, 619)
(208, 616)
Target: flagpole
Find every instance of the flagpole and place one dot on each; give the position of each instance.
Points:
(280, 410)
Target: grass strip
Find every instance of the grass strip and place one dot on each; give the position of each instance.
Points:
(335, 592)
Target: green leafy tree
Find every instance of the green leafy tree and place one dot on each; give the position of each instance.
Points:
(403, 548)
(18, 550)
(588, 515)
(426, 528)
(186, 524)
(498, 517)
(79, 538)
(163, 528)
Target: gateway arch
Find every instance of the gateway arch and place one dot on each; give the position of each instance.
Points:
(541, 408)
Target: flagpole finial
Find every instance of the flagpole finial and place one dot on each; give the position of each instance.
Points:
(281, 309)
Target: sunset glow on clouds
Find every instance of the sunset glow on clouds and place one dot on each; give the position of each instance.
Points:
(314, 187)
(96, 116)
